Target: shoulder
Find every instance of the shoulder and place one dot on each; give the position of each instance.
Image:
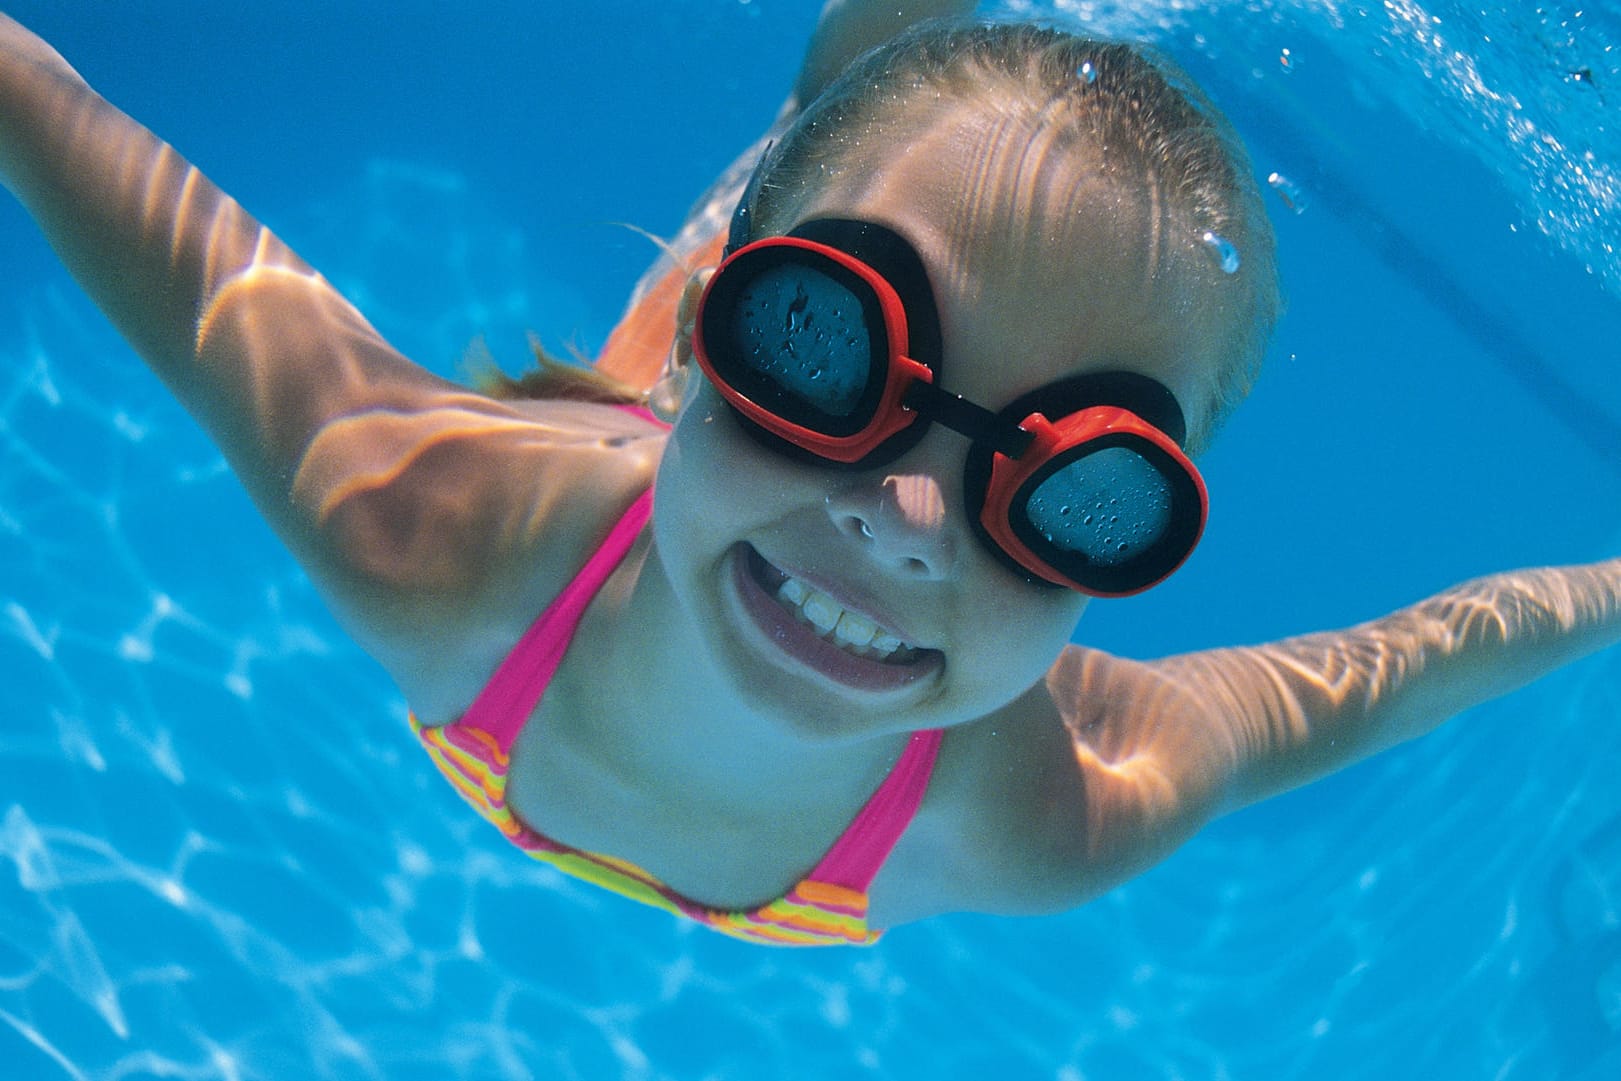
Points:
(1056, 798)
(987, 837)
(458, 520)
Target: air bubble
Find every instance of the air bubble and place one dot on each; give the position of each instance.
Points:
(1224, 251)
(1087, 73)
(1288, 191)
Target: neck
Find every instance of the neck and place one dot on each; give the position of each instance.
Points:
(693, 730)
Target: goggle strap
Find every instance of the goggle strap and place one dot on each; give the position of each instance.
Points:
(974, 421)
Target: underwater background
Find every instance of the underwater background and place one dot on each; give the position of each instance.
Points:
(222, 856)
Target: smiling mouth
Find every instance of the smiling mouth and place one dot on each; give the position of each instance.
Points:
(850, 631)
(811, 626)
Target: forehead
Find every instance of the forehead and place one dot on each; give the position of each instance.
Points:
(1045, 259)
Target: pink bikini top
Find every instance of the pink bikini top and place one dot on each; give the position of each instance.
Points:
(827, 907)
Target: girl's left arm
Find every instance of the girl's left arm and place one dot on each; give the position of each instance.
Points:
(1164, 747)
(1296, 710)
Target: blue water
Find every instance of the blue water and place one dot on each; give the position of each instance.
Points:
(221, 856)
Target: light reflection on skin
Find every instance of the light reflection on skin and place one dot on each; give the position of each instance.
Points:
(918, 500)
(1168, 745)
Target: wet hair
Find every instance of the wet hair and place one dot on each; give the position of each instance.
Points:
(1137, 113)
(554, 377)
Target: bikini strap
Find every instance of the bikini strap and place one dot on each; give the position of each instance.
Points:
(505, 704)
(855, 858)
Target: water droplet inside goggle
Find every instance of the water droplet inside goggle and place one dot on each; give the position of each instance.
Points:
(808, 334)
(1109, 506)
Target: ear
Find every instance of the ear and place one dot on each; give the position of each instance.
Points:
(666, 396)
(687, 311)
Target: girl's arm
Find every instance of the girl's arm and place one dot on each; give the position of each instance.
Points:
(412, 501)
(250, 339)
(1166, 746)
(1302, 708)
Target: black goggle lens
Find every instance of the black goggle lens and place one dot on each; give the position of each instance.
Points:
(1107, 508)
(1113, 514)
(807, 334)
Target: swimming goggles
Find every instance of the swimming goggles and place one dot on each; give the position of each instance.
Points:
(826, 343)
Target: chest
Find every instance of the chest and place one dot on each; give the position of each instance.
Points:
(586, 777)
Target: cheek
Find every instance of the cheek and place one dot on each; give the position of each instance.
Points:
(1058, 629)
(1012, 633)
(1033, 627)
(716, 482)
(687, 505)
(708, 456)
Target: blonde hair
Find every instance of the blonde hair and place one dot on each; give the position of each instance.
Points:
(1136, 110)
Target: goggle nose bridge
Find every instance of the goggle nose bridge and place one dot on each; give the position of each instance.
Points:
(977, 423)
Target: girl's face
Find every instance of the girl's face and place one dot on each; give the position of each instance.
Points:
(801, 579)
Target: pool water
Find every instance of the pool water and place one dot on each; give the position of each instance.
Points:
(221, 855)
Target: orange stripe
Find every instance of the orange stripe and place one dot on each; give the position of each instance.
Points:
(475, 784)
(826, 893)
(488, 752)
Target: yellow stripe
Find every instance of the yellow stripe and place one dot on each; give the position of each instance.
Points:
(813, 913)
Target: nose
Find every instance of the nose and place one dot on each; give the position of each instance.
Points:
(901, 522)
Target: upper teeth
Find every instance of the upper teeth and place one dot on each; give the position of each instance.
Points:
(856, 633)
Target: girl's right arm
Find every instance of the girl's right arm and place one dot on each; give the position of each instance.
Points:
(403, 494)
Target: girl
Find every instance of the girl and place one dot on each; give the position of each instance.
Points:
(982, 295)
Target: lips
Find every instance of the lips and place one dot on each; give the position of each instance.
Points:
(815, 629)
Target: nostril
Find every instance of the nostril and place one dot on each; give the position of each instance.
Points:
(906, 536)
(853, 525)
